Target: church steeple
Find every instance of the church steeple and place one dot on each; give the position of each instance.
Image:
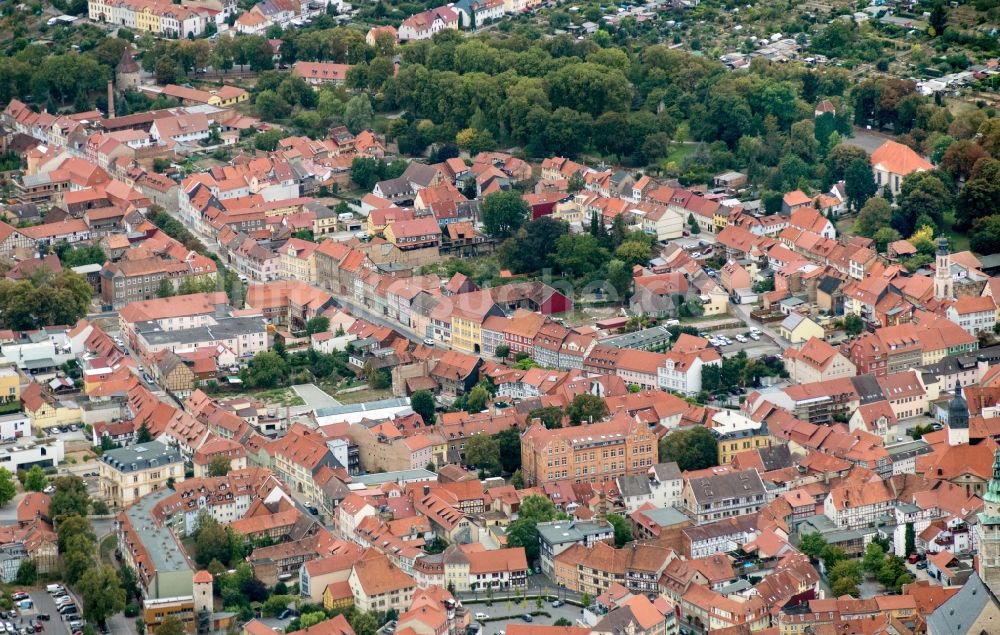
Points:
(944, 284)
(958, 418)
(988, 530)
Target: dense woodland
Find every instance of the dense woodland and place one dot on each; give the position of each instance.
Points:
(615, 100)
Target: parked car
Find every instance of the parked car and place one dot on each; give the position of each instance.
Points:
(482, 616)
(741, 338)
(754, 337)
(922, 565)
(556, 603)
(526, 617)
(17, 596)
(45, 617)
(284, 614)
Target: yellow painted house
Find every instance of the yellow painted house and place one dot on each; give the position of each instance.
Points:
(737, 433)
(45, 413)
(10, 384)
(337, 595)
(797, 328)
(147, 19)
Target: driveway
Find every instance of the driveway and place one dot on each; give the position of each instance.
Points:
(314, 396)
(743, 313)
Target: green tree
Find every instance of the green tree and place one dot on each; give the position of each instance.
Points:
(422, 402)
(853, 324)
(938, 19)
(74, 526)
(502, 351)
(165, 288)
(845, 586)
(523, 531)
(517, 480)
(358, 113)
(924, 198)
(530, 249)
(634, 252)
(102, 594)
(910, 539)
(267, 369)
(312, 618)
(483, 452)
(78, 558)
(693, 224)
(883, 237)
(876, 214)
(832, 555)
(504, 213)
(271, 106)
(580, 254)
(36, 480)
(510, 449)
(812, 544)
(623, 532)
(586, 408)
(7, 487)
(275, 605)
(859, 183)
(550, 416)
(318, 324)
(692, 449)
(219, 466)
(27, 572)
(477, 399)
(619, 276)
(143, 435)
(170, 626)
(211, 541)
(986, 235)
(365, 172)
(874, 558)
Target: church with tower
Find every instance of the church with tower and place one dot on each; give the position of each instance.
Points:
(975, 609)
(944, 283)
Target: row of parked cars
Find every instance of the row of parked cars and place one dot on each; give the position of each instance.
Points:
(12, 622)
(67, 608)
(722, 340)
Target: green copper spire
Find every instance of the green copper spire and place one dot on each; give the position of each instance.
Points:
(993, 491)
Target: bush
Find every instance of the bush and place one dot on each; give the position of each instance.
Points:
(132, 610)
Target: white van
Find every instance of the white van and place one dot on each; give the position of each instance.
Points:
(54, 588)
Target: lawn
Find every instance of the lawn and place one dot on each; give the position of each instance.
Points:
(680, 152)
(107, 549)
(957, 240)
(359, 396)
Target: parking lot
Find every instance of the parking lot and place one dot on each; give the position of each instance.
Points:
(515, 613)
(753, 348)
(44, 604)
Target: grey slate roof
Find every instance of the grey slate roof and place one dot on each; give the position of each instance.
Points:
(667, 472)
(420, 174)
(868, 389)
(566, 531)
(142, 456)
(776, 457)
(709, 490)
(223, 329)
(633, 485)
(957, 615)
